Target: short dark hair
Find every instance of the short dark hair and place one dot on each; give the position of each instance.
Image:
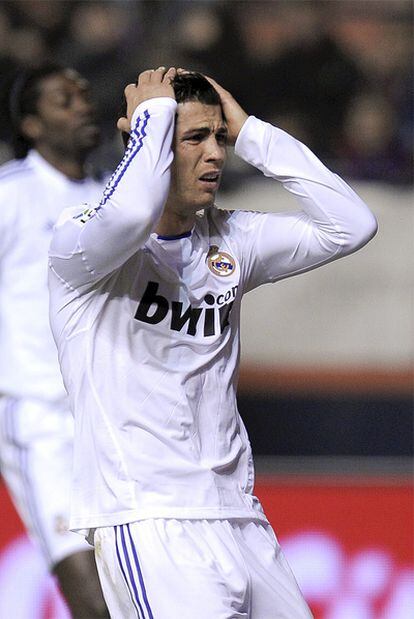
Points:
(24, 97)
(189, 86)
(193, 86)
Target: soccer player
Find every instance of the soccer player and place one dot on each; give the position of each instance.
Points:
(54, 131)
(146, 288)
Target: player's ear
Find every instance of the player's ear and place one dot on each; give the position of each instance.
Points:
(31, 127)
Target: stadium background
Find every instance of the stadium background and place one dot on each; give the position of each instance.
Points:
(326, 383)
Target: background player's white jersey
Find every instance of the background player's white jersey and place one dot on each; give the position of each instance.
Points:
(148, 328)
(32, 195)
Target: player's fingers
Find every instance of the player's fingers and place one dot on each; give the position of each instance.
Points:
(217, 86)
(157, 74)
(123, 124)
(145, 76)
(129, 88)
(170, 74)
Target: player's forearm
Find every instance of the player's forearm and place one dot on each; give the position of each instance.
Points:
(339, 217)
(87, 246)
(134, 198)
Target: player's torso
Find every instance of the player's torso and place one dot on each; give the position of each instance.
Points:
(31, 202)
(159, 342)
(155, 353)
(174, 300)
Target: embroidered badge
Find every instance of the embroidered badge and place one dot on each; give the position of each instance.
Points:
(219, 262)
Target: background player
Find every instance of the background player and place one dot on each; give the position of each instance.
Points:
(54, 131)
(146, 291)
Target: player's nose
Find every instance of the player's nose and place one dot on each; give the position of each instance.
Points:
(213, 150)
(83, 106)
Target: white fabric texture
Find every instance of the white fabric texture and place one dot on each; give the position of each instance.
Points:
(32, 196)
(36, 457)
(148, 329)
(36, 424)
(159, 569)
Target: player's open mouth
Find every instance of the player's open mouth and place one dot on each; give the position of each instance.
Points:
(210, 179)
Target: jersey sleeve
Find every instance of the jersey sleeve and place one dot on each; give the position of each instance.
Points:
(332, 221)
(5, 236)
(91, 242)
(8, 221)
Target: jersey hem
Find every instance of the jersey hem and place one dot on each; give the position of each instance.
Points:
(82, 526)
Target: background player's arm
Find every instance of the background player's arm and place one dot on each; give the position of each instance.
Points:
(88, 245)
(9, 216)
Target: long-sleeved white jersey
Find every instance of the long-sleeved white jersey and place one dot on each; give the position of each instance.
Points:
(32, 196)
(147, 328)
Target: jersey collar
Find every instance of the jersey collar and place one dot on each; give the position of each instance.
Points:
(49, 172)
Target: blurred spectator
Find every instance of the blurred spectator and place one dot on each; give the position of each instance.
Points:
(98, 41)
(310, 66)
(370, 148)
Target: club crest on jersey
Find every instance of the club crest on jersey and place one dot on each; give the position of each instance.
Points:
(219, 262)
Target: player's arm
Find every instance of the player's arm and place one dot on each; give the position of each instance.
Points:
(333, 220)
(91, 243)
(9, 222)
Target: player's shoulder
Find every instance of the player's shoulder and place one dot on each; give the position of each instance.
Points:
(233, 220)
(77, 215)
(15, 171)
(15, 182)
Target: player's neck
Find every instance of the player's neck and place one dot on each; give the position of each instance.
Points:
(70, 166)
(175, 224)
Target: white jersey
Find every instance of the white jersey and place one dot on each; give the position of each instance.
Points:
(147, 328)
(32, 196)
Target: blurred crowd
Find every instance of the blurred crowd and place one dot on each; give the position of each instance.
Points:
(337, 74)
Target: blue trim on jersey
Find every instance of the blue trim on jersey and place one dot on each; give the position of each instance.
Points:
(135, 144)
(141, 580)
(175, 237)
(135, 599)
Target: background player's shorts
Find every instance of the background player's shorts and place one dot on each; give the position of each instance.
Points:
(36, 442)
(196, 569)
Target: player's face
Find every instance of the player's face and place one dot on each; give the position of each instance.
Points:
(199, 155)
(65, 119)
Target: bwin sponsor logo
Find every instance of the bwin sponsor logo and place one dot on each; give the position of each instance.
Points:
(153, 308)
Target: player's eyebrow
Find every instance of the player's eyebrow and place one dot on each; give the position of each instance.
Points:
(205, 130)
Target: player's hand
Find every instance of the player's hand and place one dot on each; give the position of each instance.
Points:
(234, 114)
(151, 83)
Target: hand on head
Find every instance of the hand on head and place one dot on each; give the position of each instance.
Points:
(234, 114)
(151, 83)
(157, 83)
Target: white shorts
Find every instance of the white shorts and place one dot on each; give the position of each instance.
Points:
(36, 439)
(196, 569)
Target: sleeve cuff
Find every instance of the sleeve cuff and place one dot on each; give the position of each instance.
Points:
(247, 130)
(156, 103)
